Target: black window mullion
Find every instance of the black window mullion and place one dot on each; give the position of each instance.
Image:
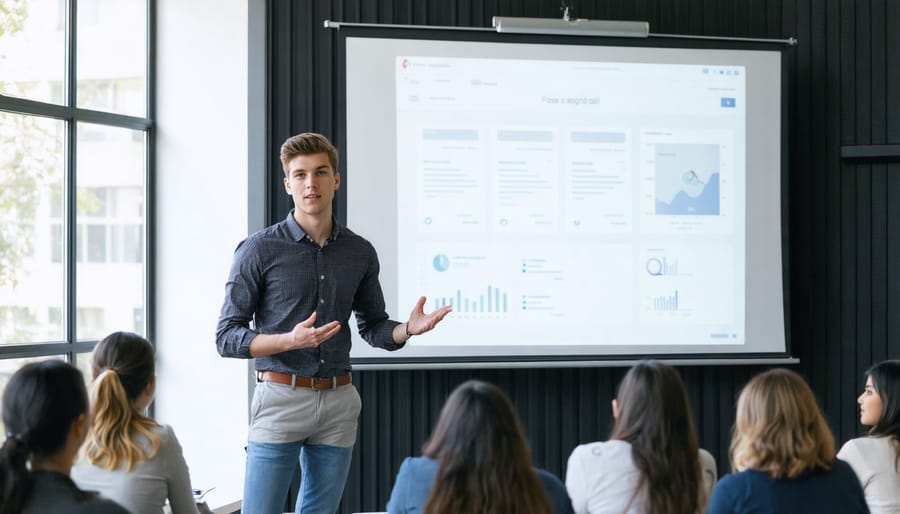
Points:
(70, 220)
(149, 178)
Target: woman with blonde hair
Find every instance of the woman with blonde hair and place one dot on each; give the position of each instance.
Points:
(477, 462)
(783, 454)
(651, 462)
(128, 456)
(876, 457)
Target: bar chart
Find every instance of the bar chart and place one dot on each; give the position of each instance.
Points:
(490, 301)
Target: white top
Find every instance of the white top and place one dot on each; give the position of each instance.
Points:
(874, 460)
(145, 488)
(601, 478)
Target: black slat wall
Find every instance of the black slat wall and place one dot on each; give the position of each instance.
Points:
(844, 229)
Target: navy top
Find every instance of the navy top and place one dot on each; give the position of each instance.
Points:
(280, 275)
(417, 474)
(836, 491)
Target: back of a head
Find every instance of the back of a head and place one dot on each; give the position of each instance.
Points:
(779, 428)
(41, 402)
(122, 365)
(307, 143)
(654, 416)
(886, 380)
(484, 461)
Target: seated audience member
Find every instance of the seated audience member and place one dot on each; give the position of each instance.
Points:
(45, 411)
(783, 454)
(651, 463)
(876, 458)
(476, 462)
(129, 457)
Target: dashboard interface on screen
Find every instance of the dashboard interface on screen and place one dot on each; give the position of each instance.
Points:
(569, 201)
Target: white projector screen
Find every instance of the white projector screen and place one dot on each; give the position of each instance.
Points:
(571, 202)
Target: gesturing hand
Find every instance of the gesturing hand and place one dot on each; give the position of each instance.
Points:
(305, 335)
(419, 322)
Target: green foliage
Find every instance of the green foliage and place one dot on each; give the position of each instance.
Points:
(30, 163)
(12, 16)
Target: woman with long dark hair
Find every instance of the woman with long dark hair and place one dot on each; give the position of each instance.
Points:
(477, 461)
(782, 452)
(876, 458)
(45, 411)
(651, 462)
(128, 456)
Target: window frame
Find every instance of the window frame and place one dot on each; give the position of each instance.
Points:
(71, 115)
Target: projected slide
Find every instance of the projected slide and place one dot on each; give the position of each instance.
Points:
(687, 179)
(568, 201)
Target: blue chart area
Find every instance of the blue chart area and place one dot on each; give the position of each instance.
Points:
(687, 179)
(666, 303)
(490, 301)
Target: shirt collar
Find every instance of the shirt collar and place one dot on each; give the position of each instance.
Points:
(298, 234)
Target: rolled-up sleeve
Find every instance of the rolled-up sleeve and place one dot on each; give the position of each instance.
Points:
(233, 333)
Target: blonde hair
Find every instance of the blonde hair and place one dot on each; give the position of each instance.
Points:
(779, 428)
(307, 143)
(122, 364)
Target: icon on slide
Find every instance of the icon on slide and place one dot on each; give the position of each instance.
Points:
(441, 263)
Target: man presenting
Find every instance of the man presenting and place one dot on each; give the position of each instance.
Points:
(299, 280)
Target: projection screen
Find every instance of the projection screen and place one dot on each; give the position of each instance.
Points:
(572, 202)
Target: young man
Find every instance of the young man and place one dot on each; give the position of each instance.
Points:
(299, 280)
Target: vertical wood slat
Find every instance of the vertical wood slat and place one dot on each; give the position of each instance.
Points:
(844, 221)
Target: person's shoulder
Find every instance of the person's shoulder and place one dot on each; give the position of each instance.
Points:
(100, 505)
(706, 459)
(842, 468)
(548, 478)
(275, 231)
(603, 450)
(868, 444)
(420, 464)
(166, 434)
(743, 478)
(350, 236)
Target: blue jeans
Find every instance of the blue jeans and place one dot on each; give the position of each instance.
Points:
(270, 470)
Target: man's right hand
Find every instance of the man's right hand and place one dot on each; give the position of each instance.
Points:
(304, 335)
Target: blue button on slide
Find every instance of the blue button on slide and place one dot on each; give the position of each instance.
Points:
(727, 102)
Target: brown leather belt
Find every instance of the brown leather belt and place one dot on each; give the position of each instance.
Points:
(317, 383)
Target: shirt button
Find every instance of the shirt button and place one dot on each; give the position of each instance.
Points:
(321, 300)
(322, 277)
(322, 361)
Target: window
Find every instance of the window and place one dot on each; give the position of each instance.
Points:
(75, 151)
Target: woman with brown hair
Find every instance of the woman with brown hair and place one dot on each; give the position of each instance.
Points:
(476, 462)
(128, 456)
(783, 454)
(651, 463)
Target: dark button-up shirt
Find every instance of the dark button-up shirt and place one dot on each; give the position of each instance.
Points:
(280, 276)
